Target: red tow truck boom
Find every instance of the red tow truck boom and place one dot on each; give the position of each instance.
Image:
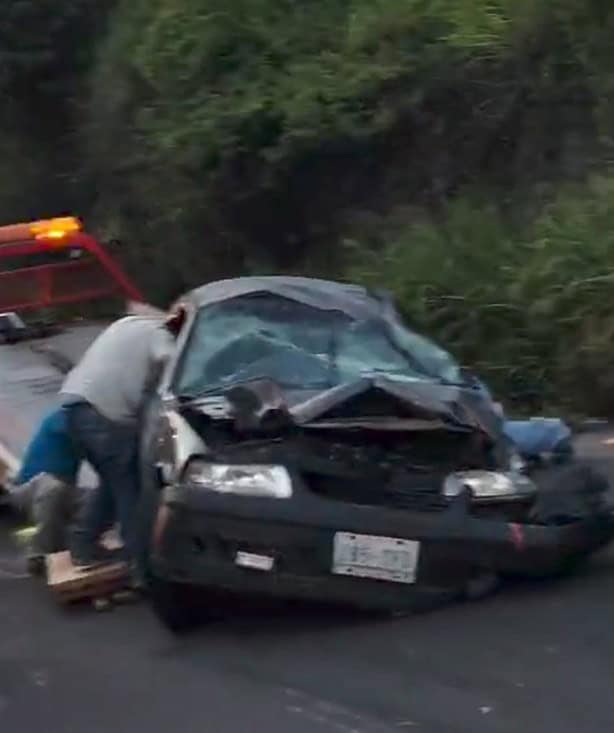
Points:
(90, 274)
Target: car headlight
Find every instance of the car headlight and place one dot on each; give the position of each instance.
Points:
(273, 482)
(489, 485)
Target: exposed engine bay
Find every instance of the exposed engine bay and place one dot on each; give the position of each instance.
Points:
(374, 445)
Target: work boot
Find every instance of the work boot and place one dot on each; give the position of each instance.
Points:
(90, 558)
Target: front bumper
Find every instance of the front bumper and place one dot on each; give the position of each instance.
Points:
(199, 534)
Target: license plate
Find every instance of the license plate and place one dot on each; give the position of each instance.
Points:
(254, 562)
(382, 558)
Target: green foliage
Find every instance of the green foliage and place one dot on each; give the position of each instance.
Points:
(531, 311)
(216, 138)
(237, 116)
(273, 79)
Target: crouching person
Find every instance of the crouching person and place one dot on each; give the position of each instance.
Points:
(45, 489)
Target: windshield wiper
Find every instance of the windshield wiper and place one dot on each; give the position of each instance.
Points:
(191, 396)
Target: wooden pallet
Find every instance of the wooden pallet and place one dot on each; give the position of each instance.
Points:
(102, 586)
(68, 583)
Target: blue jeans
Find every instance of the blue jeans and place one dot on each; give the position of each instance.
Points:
(112, 450)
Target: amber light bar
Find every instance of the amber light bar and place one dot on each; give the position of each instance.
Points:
(53, 230)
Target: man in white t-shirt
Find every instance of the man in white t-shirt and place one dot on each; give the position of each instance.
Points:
(103, 397)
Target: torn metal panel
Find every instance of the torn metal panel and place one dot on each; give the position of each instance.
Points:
(378, 403)
(259, 405)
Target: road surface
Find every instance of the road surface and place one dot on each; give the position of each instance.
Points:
(536, 658)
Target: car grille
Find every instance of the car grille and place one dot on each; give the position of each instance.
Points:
(420, 492)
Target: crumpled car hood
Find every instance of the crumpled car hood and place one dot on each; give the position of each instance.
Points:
(377, 402)
(371, 441)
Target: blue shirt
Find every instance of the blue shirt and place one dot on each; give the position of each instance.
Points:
(50, 451)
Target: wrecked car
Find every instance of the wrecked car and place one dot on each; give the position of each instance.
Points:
(305, 443)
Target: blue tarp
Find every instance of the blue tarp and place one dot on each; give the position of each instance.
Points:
(536, 437)
(539, 436)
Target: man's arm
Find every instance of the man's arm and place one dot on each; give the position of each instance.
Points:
(161, 350)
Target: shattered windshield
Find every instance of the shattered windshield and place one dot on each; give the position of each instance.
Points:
(301, 347)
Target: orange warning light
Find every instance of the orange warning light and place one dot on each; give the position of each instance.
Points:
(52, 230)
(55, 228)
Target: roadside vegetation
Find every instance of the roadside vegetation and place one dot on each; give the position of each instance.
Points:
(457, 152)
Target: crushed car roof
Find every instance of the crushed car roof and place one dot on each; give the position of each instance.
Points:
(353, 300)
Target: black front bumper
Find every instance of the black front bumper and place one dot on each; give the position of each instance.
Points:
(200, 533)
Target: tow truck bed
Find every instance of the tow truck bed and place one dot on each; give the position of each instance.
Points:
(31, 373)
(45, 264)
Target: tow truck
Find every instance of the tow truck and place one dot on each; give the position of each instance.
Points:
(50, 270)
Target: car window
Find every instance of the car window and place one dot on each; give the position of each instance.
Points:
(299, 347)
(366, 345)
(435, 360)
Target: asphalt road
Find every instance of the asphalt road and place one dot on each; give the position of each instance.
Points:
(536, 658)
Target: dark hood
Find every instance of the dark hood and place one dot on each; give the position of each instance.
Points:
(263, 406)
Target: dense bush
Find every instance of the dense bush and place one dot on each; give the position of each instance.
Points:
(259, 135)
(247, 132)
(530, 310)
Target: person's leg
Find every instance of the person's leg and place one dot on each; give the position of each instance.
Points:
(95, 514)
(51, 508)
(88, 433)
(126, 486)
(111, 449)
(21, 497)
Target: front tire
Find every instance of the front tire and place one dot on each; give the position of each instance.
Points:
(175, 605)
(481, 585)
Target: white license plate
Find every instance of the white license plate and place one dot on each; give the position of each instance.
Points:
(254, 562)
(382, 558)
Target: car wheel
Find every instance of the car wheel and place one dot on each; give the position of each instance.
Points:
(481, 585)
(176, 605)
